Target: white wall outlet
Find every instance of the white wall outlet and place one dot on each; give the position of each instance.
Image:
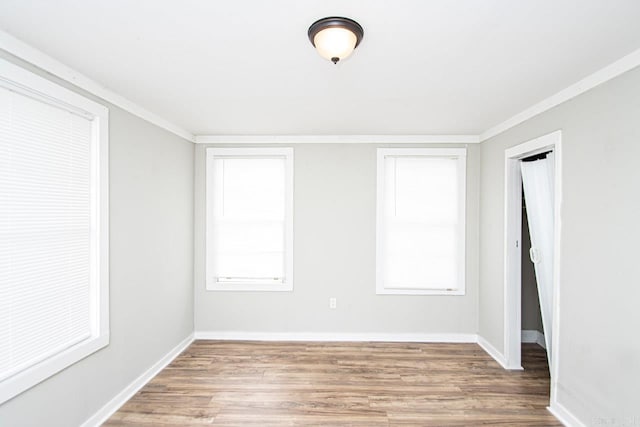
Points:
(333, 302)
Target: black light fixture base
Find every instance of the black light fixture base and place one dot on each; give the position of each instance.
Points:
(337, 22)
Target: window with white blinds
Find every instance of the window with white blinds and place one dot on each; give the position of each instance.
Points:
(249, 219)
(52, 278)
(421, 221)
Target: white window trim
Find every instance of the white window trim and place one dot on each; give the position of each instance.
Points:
(211, 283)
(25, 82)
(458, 153)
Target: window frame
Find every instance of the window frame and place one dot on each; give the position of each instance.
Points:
(24, 82)
(213, 153)
(460, 155)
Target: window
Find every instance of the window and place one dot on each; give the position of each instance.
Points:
(249, 219)
(53, 229)
(420, 242)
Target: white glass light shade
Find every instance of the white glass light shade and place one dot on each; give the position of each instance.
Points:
(335, 42)
(335, 37)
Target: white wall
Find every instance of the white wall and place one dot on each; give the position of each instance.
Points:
(151, 269)
(334, 256)
(599, 353)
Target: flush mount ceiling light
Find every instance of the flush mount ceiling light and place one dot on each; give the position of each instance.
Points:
(335, 37)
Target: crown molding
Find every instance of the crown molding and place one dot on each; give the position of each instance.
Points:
(23, 51)
(611, 71)
(337, 139)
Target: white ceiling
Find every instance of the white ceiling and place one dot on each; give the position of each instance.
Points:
(246, 66)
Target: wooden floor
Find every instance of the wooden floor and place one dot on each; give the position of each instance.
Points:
(341, 384)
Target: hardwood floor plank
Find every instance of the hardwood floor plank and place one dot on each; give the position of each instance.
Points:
(229, 384)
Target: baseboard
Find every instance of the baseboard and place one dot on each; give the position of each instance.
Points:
(121, 398)
(335, 336)
(497, 356)
(564, 416)
(535, 337)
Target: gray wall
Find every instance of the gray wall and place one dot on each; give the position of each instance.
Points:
(599, 353)
(151, 268)
(334, 255)
(530, 302)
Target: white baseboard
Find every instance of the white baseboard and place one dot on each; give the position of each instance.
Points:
(335, 336)
(497, 356)
(564, 416)
(121, 398)
(535, 337)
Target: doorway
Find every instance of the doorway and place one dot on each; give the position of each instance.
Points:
(513, 249)
(532, 328)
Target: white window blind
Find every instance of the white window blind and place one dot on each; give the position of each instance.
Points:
(420, 221)
(48, 234)
(249, 219)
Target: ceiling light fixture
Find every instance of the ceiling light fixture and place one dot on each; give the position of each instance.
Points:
(335, 37)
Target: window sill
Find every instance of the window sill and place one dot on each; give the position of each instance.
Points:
(249, 287)
(24, 380)
(396, 291)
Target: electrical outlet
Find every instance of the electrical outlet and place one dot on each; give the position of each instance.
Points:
(333, 302)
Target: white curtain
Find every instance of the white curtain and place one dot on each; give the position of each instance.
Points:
(421, 223)
(46, 220)
(249, 219)
(538, 182)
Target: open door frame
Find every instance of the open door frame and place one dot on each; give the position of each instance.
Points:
(512, 250)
